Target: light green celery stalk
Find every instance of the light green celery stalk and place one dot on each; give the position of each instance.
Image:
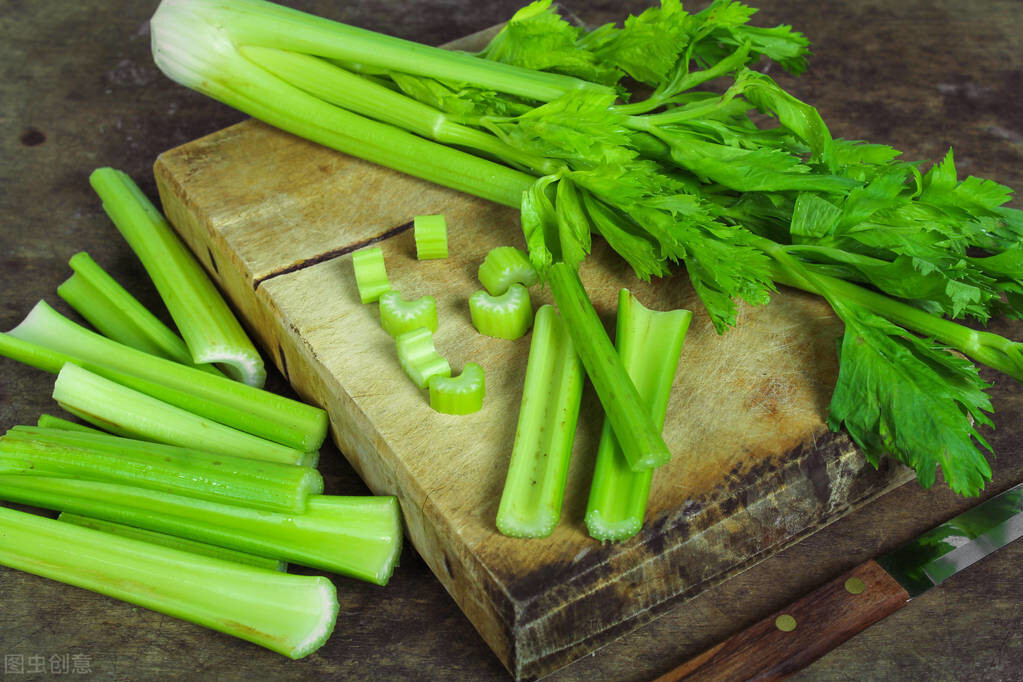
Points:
(33, 451)
(359, 537)
(649, 343)
(206, 323)
(535, 485)
(127, 412)
(177, 543)
(108, 307)
(49, 421)
(290, 614)
(47, 340)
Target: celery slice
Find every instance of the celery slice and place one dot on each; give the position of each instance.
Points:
(290, 614)
(503, 266)
(431, 236)
(49, 421)
(418, 357)
(47, 340)
(359, 537)
(177, 543)
(398, 316)
(535, 485)
(458, 395)
(127, 412)
(108, 307)
(206, 323)
(649, 343)
(370, 273)
(34, 451)
(506, 316)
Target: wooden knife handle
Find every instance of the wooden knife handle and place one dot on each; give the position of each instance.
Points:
(792, 638)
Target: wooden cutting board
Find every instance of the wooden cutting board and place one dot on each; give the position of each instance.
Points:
(275, 219)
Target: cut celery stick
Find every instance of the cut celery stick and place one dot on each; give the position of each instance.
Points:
(431, 236)
(127, 412)
(355, 536)
(47, 340)
(290, 614)
(418, 357)
(506, 316)
(398, 316)
(649, 343)
(458, 395)
(108, 307)
(34, 451)
(370, 273)
(503, 266)
(535, 485)
(49, 421)
(175, 542)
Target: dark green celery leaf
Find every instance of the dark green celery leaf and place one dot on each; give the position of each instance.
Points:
(462, 103)
(649, 45)
(626, 238)
(813, 217)
(797, 116)
(726, 24)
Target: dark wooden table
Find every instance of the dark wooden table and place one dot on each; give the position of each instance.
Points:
(79, 90)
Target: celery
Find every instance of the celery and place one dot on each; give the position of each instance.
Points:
(398, 316)
(506, 316)
(290, 614)
(177, 543)
(418, 357)
(184, 471)
(503, 266)
(48, 421)
(354, 536)
(209, 328)
(649, 343)
(128, 412)
(458, 395)
(370, 273)
(431, 236)
(48, 340)
(108, 307)
(535, 484)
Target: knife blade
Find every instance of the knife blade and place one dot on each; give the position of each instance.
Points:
(805, 630)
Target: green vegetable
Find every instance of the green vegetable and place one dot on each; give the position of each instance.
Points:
(535, 485)
(431, 235)
(649, 343)
(49, 421)
(370, 273)
(503, 266)
(290, 614)
(354, 536)
(418, 357)
(398, 316)
(126, 412)
(209, 328)
(506, 316)
(458, 395)
(184, 471)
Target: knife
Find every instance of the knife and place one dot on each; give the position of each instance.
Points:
(802, 632)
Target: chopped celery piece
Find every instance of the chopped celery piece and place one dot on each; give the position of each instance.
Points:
(431, 235)
(419, 358)
(503, 266)
(35, 451)
(535, 485)
(47, 340)
(370, 273)
(108, 307)
(458, 395)
(127, 412)
(290, 614)
(649, 343)
(206, 323)
(177, 543)
(398, 316)
(506, 316)
(49, 421)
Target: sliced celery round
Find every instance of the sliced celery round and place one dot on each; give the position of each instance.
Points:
(370, 273)
(419, 358)
(507, 316)
(458, 395)
(502, 267)
(398, 316)
(431, 235)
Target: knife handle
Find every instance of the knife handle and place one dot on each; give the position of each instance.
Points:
(799, 634)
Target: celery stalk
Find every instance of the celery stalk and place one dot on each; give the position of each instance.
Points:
(184, 471)
(127, 412)
(49, 421)
(359, 537)
(649, 343)
(505, 316)
(459, 395)
(535, 484)
(177, 543)
(503, 266)
(398, 316)
(209, 328)
(418, 357)
(431, 236)
(370, 273)
(47, 340)
(290, 614)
